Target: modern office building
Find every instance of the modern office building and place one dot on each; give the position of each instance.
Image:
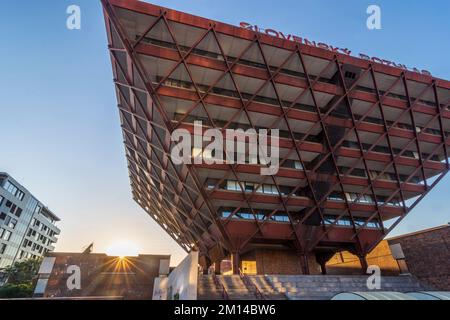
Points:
(362, 140)
(27, 227)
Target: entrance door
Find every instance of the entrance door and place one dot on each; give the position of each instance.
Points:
(249, 267)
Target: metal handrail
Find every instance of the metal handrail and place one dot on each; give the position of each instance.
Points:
(249, 284)
(219, 283)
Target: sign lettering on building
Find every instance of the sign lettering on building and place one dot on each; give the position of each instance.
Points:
(322, 45)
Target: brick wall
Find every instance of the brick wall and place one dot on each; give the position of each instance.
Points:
(427, 255)
(104, 276)
(280, 262)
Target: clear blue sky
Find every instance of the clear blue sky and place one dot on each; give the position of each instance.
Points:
(60, 133)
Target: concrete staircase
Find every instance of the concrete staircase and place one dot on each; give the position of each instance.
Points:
(207, 289)
(266, 288)
(325, 287)
(236, 288)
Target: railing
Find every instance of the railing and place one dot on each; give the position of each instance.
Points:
(251, 286)
(219, 284)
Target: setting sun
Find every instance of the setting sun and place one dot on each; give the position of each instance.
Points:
(123, 249)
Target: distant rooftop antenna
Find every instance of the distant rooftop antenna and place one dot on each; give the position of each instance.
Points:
(88, 249)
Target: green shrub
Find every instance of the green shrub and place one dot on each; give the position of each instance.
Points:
(22, 277)
(24, 290)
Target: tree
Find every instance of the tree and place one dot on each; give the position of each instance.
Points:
(21, 277)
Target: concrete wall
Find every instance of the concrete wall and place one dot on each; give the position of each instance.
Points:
(182, 281)
(345, 263)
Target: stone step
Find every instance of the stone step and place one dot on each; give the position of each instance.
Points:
(209, 297)
(235, 287)
(325, 287)
(242, 297)
(297, 287)
(207, 289)
(265, 287)
(238, 291)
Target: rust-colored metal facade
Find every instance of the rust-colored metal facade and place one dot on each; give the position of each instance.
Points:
(361, 143)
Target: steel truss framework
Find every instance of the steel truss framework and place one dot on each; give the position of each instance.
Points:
(174, 195)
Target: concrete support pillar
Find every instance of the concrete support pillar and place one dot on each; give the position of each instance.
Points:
(235, 260)
(323, 267)
(304, 263)
(217, 267)
(402, 266)
(364, 265)
(322, 258)
(207, 266)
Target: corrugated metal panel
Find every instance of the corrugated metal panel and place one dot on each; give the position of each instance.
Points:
(430, 295)
(373, 296)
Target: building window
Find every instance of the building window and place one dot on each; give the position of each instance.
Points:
(2, 248)
(2, 216)
(280, 218)
(15, 210)
(233, 185)
(12, 224)
(246, 214)
(335, 197)
(270, 189)
(11, 188)
(8, 204)
(354, 197)
(350, 75)
(18, 212)
(5, 234)
(298, 165)
(1, 200)
(249, 187)
(20, 195)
